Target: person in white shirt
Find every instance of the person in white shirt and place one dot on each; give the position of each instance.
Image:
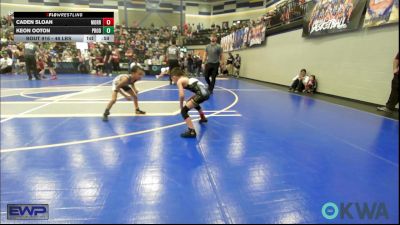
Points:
(299, 81)
(5, 64)
(174, 29)
(164, 71)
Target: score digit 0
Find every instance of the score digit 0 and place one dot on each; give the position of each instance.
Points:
(108, 21)
(108, 30)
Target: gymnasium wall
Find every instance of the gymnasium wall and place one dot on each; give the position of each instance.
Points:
(146, 18)
(237, 6)
(230, 17)
(196, 19)
(356, 65)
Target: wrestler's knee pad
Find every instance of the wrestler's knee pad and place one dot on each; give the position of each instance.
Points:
(185, 112)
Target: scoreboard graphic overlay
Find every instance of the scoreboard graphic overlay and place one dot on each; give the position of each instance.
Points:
(64, 26)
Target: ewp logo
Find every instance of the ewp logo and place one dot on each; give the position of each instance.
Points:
(364, 210)
(28, 212)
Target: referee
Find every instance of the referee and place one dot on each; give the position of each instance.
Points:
(30, 60)
(172, 55)
(212, 59)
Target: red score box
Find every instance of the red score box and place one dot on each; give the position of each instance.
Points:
(108, 21)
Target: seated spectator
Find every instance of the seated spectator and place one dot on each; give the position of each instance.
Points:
(299, 81)
(311, 86)
(224, 70)
(5, 64)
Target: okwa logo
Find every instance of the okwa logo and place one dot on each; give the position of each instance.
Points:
(351, 210)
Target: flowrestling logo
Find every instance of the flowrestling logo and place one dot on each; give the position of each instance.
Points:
(352, 210)
(27, 212)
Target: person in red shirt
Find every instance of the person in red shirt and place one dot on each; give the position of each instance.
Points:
(40, 67)
(394, 94)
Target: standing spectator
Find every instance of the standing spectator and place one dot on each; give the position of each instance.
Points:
(236, 64)
(212, 59)
(185, 29)
(199, 64)
(86, 60)
(189, 30)
(129, 56)
(30, 60)
(190, 63)
(394, 94)
(229, 64)
(21, 60)
(99, 65)
(174, 30)
(5, 64)
(106, 54)
(172, 54)
(14, 57)
(115, 59)
(80, 59)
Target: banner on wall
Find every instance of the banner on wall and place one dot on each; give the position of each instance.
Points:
(244, 38)
(381, 12)
(332, 16)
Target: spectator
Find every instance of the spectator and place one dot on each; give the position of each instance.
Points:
(80, 59)
(190, 64)
(5, 64)
(394, 94)
(86, 61)
(115, 59)
(129, 57)
(229, 63)
(299, 81)
(199, 63)
(99, 65)
(311, 86)
(106, 54)
(237, 64)
(224, 70)
(189, 30)
(20, 63)
(172, 54)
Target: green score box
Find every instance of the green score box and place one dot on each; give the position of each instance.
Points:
(108, 30)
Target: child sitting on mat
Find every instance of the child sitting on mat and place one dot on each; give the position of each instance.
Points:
(311, 86)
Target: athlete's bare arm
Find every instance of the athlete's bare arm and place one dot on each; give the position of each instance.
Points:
(181, 91)
(122, 82)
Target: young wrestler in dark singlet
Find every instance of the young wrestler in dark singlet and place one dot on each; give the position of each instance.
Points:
(201, 94)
